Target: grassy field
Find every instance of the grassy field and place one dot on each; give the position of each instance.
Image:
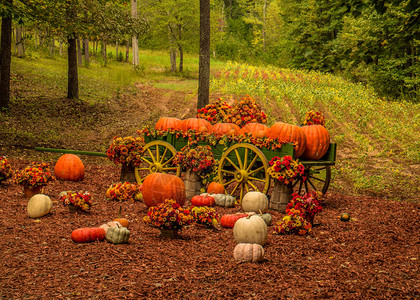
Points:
(378, 140)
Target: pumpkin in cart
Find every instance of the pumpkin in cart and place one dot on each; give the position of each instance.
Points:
(69, 167)
(157, 187)
(168, 123)
(202, 200)
(245, 252)
(317, 141)
(86, 235)
(229, 129)
(229, 220)
(256, 130)
(199, 125)
(252, 230)
(288, 133)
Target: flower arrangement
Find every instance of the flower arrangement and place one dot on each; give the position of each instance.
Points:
(214, 112)
(127, 150)
(293, 223)
(196, 158)
(5, 169)
(307, 204)
(314, 118)
(124, 191)
(168, 215)
(286, 169)
(205, 215)
(245, 111)
(81, 200)
(34, 175)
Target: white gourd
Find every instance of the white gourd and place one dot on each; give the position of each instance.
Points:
(39, 205)
(252, 230)
(255, 201)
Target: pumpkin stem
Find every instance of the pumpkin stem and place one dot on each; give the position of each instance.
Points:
(119, 213)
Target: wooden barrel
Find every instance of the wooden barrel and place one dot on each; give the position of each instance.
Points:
(193, 184)
(280, 197)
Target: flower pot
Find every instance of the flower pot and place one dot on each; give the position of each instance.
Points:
(169, 233)
(29, 191)
(193, 184)
(72, 208)
(310, 219)
(280, 197)
(127, 174)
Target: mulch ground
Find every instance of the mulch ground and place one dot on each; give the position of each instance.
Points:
(374, 256)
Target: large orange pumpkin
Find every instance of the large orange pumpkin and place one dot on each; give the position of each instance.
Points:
(69, 167)
(197, 124)
(157, 187)
(257, 130)
(228, 129)
(317, 141)
(215, 188)
(290, 134)
(167, 123)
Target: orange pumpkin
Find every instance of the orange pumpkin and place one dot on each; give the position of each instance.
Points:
(229, 220)
(228, 129)
(167, 123)
(257, 130)
(124, 222)
(215, 188)
(157, 187)
(199, 125)
(86, 235)
(69, 167)
(290, 134)
(317, 141)
(199, 200)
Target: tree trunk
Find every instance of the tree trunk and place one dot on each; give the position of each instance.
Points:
(86, 50)
(204, 55)
(116, 50)
(79, 52)
(180, 50)
(73, 80)
(135, 42)
(127, 51)
(20, 50)
(172, 55)
(104, 56)
(52, 47)
(6, 57)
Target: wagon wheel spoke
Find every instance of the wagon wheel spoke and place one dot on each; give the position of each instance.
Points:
(228, 172)
(253, 186)
(228, 182)
(146, 161)
(168, 161)
(242, 192)
(157, 153)
(239, 159)
(256, 170)
(247, 186)
(170, 169)
(235, 188)
(245, 159)
(151, 155)
(164, 155)
(256, 179)
(232, 164)
(252, 163)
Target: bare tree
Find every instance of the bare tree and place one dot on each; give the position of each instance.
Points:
(204, 56)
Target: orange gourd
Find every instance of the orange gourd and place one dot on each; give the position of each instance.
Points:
(215, 188)
(257, 130)
(199, 200)
(317, 141)
(167, 123)
(69, 167)
(157, 187)
(228, 129)
(229, 220)
(290, 134)
(199, 125)
(86, 235)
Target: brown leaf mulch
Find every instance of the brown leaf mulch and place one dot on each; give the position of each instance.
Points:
(374, 256)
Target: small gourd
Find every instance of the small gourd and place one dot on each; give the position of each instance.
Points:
(345, 217)
(252, 230)
(255, 201)
(87, 235)
(245, 252)
(222, 199)
(199, 200)
(108, 225)
(266, 217)
(117, 235)
(216, 188)
(39, 205)
(229, 220)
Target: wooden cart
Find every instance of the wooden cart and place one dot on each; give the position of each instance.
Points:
(242, 166)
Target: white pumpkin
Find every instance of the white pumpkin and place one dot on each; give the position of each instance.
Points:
(252, 230)
(222, 199)
(110, 224)
(244, 252)
(39, 205)
(255, 201)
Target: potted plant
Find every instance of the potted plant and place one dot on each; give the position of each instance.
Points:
(169, 217)
(314, 118)
(124, 191)
(76, 200)
(293, 223)
(5, 169)
(34, 178)
(308, 204)
(205, 215)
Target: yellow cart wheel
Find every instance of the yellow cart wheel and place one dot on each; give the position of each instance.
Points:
(243, 168)
(317, 180)
(157, 158)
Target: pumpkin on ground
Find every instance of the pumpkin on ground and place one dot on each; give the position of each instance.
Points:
(117, 235)
(168, 123)
(255, 201)
(229, 220)
(215, 188)
(266, 217)
(229, 129)
(345, 217)
(39, 205)
(200, 200)
(69, 167)
(124, 222)
(256, 130)
(157, 187)
(252, 230)
(288, 133)
(224, 200)
(317, 141)
(245, 252)
(86, 235)
(199, 125)
(108, 225)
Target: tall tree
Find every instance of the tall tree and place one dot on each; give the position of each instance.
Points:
(135, 42)
(6, 57)
(204, 55)
(73, 78)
